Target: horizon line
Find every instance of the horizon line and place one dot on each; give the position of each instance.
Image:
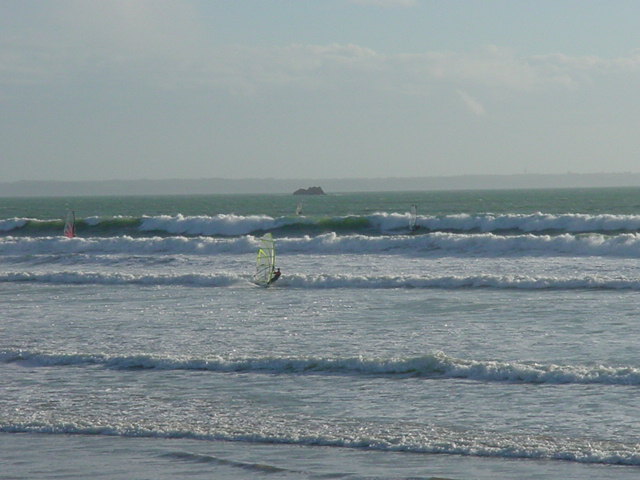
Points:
(349, 179)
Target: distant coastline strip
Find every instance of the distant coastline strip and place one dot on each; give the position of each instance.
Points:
(207, 186)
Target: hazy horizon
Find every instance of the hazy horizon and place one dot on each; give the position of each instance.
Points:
(205, 186)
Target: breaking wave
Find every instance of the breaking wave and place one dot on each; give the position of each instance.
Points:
(520, 282)
(431, 244)
(404, 438)
(376, 223)
(433, 366)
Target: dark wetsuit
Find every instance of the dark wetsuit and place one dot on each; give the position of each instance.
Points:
(276, 276)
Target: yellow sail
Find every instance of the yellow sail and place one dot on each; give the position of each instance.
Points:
(266, 261)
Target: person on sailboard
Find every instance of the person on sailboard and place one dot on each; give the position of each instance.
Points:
(276, 276)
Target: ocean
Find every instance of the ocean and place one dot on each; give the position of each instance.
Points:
(498, 340)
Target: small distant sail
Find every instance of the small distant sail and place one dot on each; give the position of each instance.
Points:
(266, 261)
(70, 225)
(413, 217)
(299, 209)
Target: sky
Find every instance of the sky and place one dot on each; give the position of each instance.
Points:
(160, 89)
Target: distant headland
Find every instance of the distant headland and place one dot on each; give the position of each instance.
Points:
(309, 191)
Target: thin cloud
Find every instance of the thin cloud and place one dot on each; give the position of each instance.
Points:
(304, 66)
(330, 66)
(471, 103)
(161, 44)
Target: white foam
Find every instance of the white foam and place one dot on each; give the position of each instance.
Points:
(101, 278)
(433, 244)
(233, 225)
(536, 222)
(529, 223)
(365, 436)
(323, 281)
(222, 224)
(436, 365)
(8, 224)
(125, 245)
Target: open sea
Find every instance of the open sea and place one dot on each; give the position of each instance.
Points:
(499, 340)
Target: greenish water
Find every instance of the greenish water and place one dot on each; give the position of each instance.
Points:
(554, 201)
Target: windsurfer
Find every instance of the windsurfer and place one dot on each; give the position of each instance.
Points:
(276, 276)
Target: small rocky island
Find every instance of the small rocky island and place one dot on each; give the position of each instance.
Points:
(310, 191)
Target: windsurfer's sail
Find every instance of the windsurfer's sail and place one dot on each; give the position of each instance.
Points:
(413, 217)
(266, 261)
(70, 225)
(299, 209)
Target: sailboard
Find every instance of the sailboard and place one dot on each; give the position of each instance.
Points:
(266, 261)
(299, 209)
(413, 217)
(70, 225)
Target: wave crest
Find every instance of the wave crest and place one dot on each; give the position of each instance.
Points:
(437, 365)
(433, 244)
(522, 282)
(380, 223)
